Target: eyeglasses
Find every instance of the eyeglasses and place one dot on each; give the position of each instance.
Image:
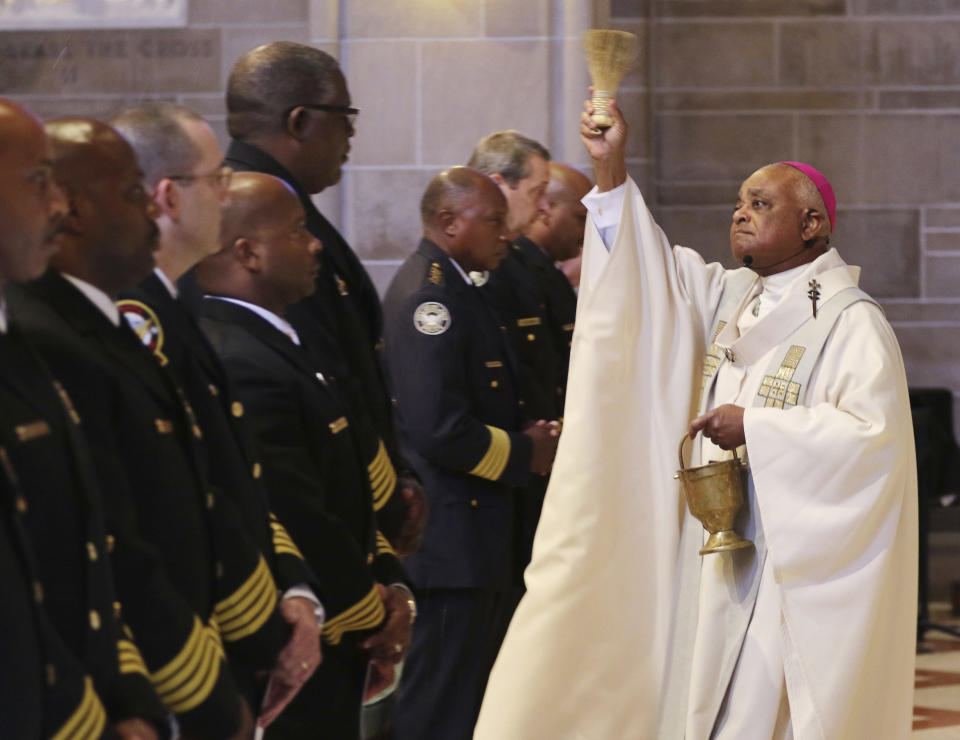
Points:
(221, 177)
(344, 110)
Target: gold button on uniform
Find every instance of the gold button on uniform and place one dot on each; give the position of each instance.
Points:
(236, 408)
(214, 391)
(111, 542)
(257, 470)
(473, 502)
(92, 552)
(531, 337)
(51, 674)
(117, 609)
(21, 505)
(494, 383)
(94, 619)
(369, 558)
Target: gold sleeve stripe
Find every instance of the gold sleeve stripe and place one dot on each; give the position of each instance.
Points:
(212, 633)
(88, 720)
(365, 614)
(197, 686)
(130, 659)
(494, 461)
(283, 544)
(384, 546)
(383, 477)
(245, 611)
(172, 673)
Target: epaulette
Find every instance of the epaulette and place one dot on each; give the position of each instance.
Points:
(436, 274)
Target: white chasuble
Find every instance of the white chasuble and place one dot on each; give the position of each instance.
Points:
(623, 634)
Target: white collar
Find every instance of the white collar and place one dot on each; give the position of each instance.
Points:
(278, 323)
(167, 283)
(97, 297)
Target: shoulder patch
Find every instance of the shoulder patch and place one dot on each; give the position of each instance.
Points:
(431, 318)
(145, 324)
(436, 274)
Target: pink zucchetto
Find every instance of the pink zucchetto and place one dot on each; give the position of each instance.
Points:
(823, 185)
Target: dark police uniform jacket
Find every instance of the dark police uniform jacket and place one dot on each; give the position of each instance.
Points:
(313, 469)
(521, 305)
(143, 438)
(59, 508)
(460, 414)
(560, 303)
(346, 305)
(170, 331)
(44, 691)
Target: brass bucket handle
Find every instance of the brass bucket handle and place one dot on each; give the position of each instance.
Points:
(685, 437)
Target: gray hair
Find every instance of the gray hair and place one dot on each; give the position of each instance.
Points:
(271, 79)
(156, 133)
(506, 153)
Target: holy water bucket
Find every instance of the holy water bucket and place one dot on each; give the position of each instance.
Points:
(714, 495)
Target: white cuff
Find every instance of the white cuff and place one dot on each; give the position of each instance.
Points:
(605, 209)
(303, 591)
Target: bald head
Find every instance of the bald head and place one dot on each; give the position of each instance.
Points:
(464, 213)
(30, 204)
(268, 257)
(270, 80)
(559, 230)
(108, 236)
(85, 150)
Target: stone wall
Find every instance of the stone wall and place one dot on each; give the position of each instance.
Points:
(867, 90)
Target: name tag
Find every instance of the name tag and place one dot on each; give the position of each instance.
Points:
(339, 425)
(494, 363)
(164, 426)
(33, 430)
(532, 321)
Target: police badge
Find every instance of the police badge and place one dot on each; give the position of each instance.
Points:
(431, 318)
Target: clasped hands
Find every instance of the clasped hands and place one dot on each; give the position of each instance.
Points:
(545, 436)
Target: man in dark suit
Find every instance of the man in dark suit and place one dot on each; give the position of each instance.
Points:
(182, 168)
(53, 518)
(314, 465)
(464, 427)
(143, 439)
(290, 115)
(520, 168)
(556, 235)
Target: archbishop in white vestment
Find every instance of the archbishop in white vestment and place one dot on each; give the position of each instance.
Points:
(626, 631)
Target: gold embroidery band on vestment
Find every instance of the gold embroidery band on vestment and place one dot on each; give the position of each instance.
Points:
(187, 680)
(89, 718)
(532, 321)
(338, 425)
(283, 543)
(365, 614)
(383, 477)
(383, 545)
(246, 609)
(779, 390)
(494, 461)
(130, 659)
(32, 430)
